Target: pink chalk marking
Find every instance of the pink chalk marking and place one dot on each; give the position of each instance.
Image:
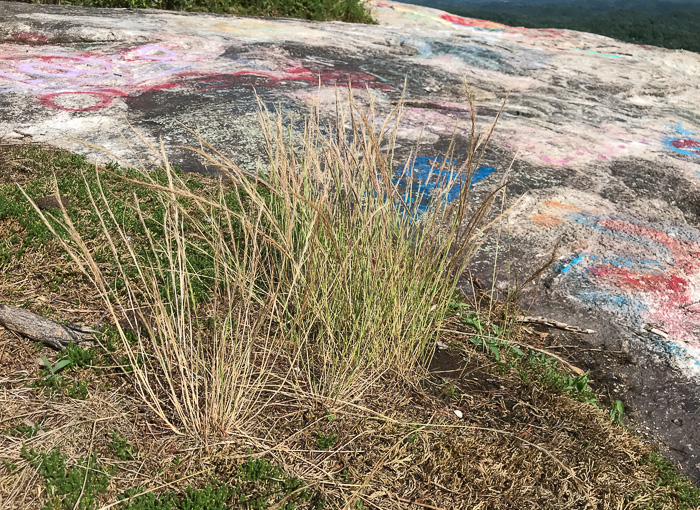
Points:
(653, 234)
(621, 146)
(37, 69)
(604, 158)
(66, 65)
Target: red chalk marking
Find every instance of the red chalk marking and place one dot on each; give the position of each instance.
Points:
(687, 144)
(471, 22)
(674, 288)
(29, 37)
(105, 97)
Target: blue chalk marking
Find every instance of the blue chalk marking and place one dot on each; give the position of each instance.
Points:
(670, 348)
(482, 173)
(564, 268)
(692, 145)
(613, 302)
(423, 181)
(424, 49)
(627, 262)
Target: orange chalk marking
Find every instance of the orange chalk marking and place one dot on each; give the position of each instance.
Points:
(546, 220)
(561, 205)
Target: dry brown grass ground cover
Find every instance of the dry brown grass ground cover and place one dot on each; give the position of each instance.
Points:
(384, 421)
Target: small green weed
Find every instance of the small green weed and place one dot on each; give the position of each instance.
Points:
(491, 337)
(78, 390)
(69, 488)
(258, 485)
(77, 356)
(120, 446)
(55, 384)
(209, 497)
(451, 391)
(545, 369)
(261, 484)
(618, 409)
(23, 430)
(411, 438)
(10, 466)
(323, 442)
(51, 381)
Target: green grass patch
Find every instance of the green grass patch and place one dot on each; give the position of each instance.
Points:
(256, 485)
(69, 487)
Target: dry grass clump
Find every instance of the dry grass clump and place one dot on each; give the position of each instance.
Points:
(315, 278)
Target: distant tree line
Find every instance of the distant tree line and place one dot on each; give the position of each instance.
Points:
(343, 10)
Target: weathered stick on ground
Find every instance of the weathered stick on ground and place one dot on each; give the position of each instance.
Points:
(41, 329)
(554, 324)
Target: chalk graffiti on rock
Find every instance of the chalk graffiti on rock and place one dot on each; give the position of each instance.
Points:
(85, 82)
(683, 142)
(660, 291)
(428, 179)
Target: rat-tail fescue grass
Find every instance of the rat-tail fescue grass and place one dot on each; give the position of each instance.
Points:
(315, 278)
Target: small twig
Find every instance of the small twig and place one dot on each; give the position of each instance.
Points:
(521, 344)
(553, 324)
(688, 305)
(573, 368)
(656, 331)
(87, 466)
